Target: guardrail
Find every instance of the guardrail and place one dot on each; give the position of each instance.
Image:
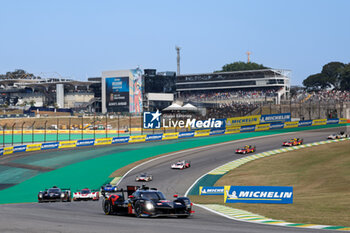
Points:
(167, 136)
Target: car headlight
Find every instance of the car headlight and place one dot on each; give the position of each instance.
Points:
(62, 195)
(149, 206)
(41, 195)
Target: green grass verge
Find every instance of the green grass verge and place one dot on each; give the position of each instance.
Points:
(94, 172)
(320, 176)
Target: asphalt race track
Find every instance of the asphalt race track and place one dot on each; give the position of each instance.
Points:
(88, 216)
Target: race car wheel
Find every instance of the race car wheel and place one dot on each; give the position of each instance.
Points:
(107, 207)
(138, 209)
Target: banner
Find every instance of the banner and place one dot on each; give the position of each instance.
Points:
(67, 144)
(168, 136)
(217, 190)
(21, 148)
(259, 194)
(217, 131)
(319, 122)
(188, 134)
(140, 138)
(120, 140)
(262, 127)
(201, 133)
(276, 125)
(85, 142)
(1, 151)
(247, 128)
(154, 137)
(332, 121)
(282, 117)
(343, 121)
(239, 121)
(8, 150)
(49, 145)
(291, 124)
(232, 130)
(33, 147)
(305, 123)
(103, 141)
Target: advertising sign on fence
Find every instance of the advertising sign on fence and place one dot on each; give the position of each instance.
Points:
(305, 123)
(291, 124)
(217, 131)
(21, 148)
(85, 142)
(67, 144)
(140, 138)
(282, 117)
(103, 141)
(232, 130)
(332, 121)
(49, 145)
(247, 128)
(8, 150)
(120, 140)
(33, 147)
(239, 121)
(259, 194)
(154, 137)
(188, 134)
(217, 190)
(319, 122)
(262, 127)
(201, 133)
(168, 136)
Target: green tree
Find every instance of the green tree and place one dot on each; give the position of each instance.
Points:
(345, 78)
(332, 71)
(239, 66)
(316, 82)
(19, 74)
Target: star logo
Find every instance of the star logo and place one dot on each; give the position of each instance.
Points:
(151, 120)
(156, 115)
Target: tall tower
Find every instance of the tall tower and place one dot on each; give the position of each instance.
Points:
(177, 48)
(248, 55)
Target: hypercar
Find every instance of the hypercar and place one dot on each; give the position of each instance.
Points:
(245, 150)
(338, 135)
(144, 177)
(181, 165)
(107, 189)
(54, 194)
(146, 202)
(293, 142)
(86, 194)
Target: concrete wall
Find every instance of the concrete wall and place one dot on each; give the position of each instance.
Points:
(72, 100)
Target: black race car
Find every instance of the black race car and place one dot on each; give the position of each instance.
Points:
(146, 202)
(54, 194)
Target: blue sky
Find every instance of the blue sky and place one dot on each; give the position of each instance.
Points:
(80, 39)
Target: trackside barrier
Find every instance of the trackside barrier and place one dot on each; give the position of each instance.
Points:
(170, 136)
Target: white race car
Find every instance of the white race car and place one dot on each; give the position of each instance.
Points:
(144, 177)
(86, 194)
(181, 165)
(338, 136)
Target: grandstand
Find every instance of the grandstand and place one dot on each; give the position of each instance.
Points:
(238, 85)
(233, 93)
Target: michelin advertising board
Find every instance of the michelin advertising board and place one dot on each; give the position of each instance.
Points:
(259, 194)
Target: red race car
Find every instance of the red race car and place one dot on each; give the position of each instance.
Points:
(293, 142)
(245, 150)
